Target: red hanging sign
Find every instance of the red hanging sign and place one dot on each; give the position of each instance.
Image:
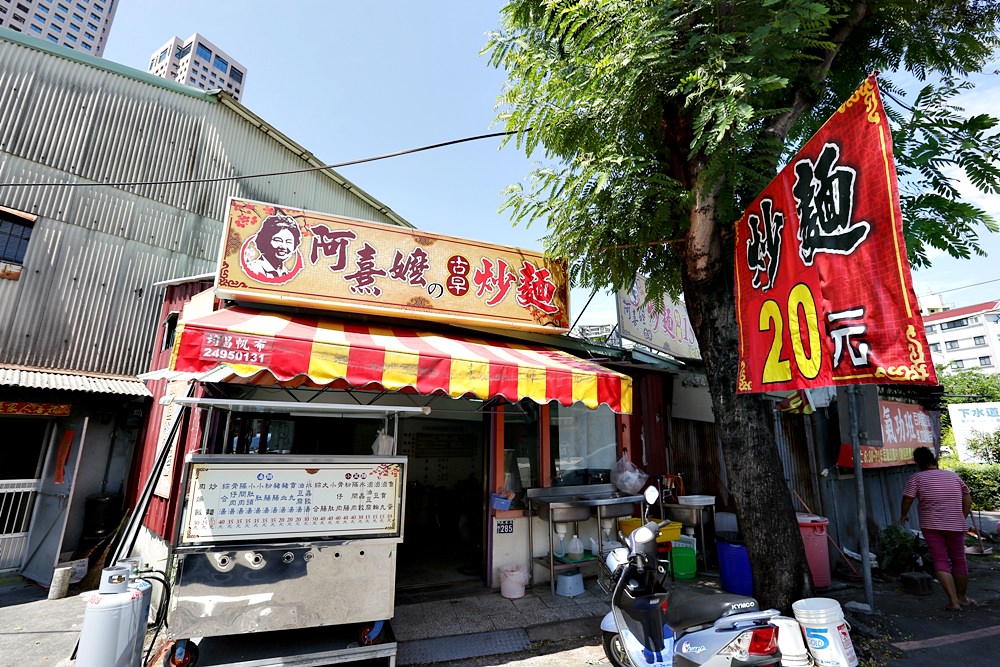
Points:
(823, 289)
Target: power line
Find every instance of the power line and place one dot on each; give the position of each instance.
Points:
(217, 179)
(955, 289)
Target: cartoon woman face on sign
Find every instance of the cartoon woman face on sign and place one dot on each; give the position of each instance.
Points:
(272, 254)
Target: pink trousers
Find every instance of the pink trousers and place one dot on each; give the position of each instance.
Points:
(947, 551)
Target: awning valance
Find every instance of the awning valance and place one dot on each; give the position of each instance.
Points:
(362, 355)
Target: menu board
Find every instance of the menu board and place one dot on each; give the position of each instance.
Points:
(245, 498)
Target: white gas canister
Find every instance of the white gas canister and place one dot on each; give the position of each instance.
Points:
(111, 623)
(144, 587)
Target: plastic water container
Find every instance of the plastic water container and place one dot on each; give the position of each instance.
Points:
(734, 564)
(813, 530)
(827, 633)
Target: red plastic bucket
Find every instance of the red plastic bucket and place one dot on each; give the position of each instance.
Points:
(813, 530)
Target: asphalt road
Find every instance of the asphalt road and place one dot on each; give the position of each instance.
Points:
(574, 652)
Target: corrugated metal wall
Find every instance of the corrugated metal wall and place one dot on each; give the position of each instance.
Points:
(85, 299)
(797, 456)
(696, 452)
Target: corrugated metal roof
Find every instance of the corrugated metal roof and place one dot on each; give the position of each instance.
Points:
(93, 384)
(71, 127)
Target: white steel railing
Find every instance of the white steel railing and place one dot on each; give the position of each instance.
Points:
(17, 499)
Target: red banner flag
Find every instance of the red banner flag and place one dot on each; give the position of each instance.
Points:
(823, 289)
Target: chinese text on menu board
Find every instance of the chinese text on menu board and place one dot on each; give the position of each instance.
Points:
(241, 501)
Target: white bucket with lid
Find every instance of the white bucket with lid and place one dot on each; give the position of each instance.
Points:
(826, 631)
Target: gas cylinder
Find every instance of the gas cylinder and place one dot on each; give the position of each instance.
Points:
(111, 623)
(135, 582)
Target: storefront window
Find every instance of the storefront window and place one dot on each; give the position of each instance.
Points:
(520, 460)
(583, 444)
(324, 436)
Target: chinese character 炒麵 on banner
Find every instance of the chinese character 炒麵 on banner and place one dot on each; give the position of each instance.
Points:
(823, 289)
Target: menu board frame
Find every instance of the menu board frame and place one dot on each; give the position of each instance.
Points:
(275, 498)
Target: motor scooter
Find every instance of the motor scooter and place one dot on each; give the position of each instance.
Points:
(652, 625)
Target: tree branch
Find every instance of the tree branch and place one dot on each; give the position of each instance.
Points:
(804, 95)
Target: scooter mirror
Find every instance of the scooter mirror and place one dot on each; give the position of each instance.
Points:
(642, 535)
(651, 495)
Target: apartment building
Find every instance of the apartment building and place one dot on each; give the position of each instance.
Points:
(198, 63)
(79, 24)
(965, 337)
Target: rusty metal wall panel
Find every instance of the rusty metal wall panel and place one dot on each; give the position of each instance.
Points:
(883, 490)
(795, 451)
(85, 299)
(697, 456)
(652, 410)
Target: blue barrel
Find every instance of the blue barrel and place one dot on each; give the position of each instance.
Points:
(734, 564)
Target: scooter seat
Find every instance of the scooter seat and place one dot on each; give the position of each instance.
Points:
(686, 609)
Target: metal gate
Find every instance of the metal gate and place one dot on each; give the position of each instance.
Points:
(17, 499)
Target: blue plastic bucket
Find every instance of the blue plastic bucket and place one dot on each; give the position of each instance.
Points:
(734, 565)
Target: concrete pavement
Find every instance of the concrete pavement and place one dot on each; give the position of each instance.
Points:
(541, 631)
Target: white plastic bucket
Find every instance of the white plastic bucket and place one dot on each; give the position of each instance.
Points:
(827, 633)
(793, 648)
(512, 581)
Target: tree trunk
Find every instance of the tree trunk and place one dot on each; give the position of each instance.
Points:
(756, 477)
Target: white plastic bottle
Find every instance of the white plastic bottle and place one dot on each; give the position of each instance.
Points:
(575, 550)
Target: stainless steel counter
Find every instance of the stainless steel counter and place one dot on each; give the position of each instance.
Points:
(697, 516)
(572, 504)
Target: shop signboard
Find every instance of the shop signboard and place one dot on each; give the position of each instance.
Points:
(35, 409)
(281, 255)
(823, 289)
(247, 498)
(970, 419)
(667, 329)
(903, 426)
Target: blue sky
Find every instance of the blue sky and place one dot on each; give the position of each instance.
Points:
(350, 80)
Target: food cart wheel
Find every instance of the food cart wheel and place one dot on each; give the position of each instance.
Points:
(184, 653)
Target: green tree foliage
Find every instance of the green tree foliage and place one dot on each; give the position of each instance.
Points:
(984, 485)
(659, 121)
(985, 446)
(970, 385)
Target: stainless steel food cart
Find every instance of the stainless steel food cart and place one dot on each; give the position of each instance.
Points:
(276, 543)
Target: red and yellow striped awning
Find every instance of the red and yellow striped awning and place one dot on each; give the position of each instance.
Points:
(365, 355)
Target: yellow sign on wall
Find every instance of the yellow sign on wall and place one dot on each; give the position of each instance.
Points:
(276, 254)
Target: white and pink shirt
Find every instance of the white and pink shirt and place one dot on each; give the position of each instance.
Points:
(939, 493)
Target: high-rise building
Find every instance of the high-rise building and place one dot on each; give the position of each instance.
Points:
(79, 24)
(198, 63)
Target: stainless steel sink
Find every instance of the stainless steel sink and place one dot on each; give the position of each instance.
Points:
(578, 503)
(616, 510)
(562, 511)
(689, 515)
